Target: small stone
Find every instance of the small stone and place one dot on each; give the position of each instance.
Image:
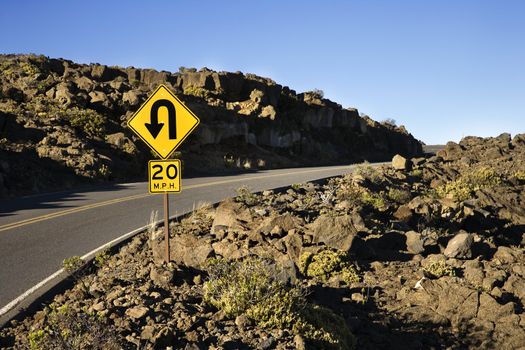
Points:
(137, 312)
(147, 332)
(242, 322)
(99, 306)
(192, 336)
(459, 246)
(403, 213)
(267, 343)
(414, 242)
(507, 255)
(276, 231)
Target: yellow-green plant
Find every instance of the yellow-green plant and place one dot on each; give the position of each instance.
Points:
(253, 287)
(196, 91)
(89, 121)
(234, 286)
(417, 173)
(369, 172)
(328, 263)
(66, 328)
(246, 196)
(466, 185)
(73, 264)
(374, 199)
(399, 195)
(104, 171)
(439, 269)
(102, 257)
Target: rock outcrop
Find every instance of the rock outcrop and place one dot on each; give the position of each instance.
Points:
(69, 117)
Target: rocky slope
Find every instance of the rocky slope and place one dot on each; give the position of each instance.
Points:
(425, 253)
(63, 123)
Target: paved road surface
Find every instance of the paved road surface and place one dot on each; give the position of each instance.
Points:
(38, 232)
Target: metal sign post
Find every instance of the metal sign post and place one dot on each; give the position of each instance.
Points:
(167, 225)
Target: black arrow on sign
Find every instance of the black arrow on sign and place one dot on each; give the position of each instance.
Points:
(154, 127)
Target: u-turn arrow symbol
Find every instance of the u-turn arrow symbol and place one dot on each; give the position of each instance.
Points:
(154, 127)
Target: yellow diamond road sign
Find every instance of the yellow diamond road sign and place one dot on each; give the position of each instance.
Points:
(163, 122)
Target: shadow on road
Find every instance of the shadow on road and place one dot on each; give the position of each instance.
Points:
(52, 200)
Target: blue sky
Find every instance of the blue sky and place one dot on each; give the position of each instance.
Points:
(444, 69)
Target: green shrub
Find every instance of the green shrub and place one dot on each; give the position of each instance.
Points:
(253, 287)
(466, 185)
(246, 196)
(296, 187)
(29, 69)
(439, 269)
(102, 257)
(104, 171)
(322, 324)
(88, 121)
(375, 200)
(328, 263)
(234, 286)
(64, 328)
(369, 173)
(399, 196)
(73, 264)
(347, 191)
(196, 91)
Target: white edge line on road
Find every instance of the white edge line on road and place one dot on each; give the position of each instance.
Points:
(11, 305)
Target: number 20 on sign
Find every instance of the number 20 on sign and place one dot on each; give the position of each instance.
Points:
(164, 176)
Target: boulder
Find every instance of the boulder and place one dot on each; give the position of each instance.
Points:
(285, 222)
(190, 250)
(185, 249)
(507, 255)
(401, 163)
(231, 215)
(137, 312)
(446, 298)
(460, 246)
(403, 213)
(131, 97)
(336, 232)
(491, 310)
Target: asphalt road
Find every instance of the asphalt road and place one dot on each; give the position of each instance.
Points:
(38, 232)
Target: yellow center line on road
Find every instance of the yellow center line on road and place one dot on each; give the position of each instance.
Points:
(143, 195)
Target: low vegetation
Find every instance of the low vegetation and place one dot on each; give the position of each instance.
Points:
(255, 288)
(439, 269)
(327, 264)
(88, 121)
(65, 329)
(246, 196)
(464, 187)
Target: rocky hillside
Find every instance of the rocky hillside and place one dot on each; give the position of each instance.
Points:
(63, 123)
(427, 253)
